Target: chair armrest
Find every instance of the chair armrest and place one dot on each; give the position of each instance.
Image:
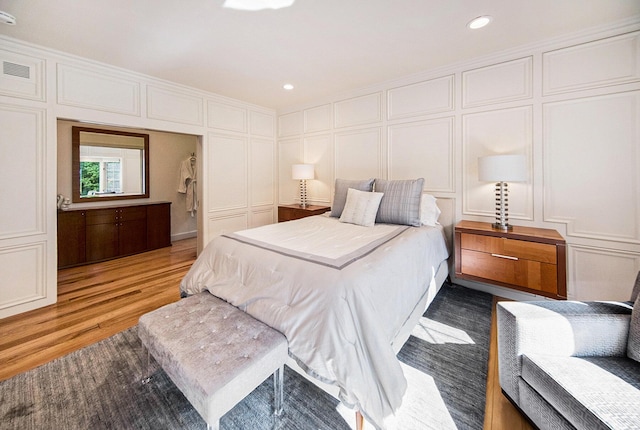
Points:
(564, 328)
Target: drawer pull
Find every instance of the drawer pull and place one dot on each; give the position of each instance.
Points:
(508, 257)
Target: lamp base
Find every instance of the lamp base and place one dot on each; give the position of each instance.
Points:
(303, 193)
(501, 227)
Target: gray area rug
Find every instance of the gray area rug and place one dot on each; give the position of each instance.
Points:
(99, 387)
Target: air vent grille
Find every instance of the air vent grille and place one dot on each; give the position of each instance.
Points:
(14, 69)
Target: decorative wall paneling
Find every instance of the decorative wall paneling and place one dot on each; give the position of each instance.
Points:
(318, 150)
(289, 153)
(581, 66)
(227, 223)
(262, 124)
(358, 110)
(26, 272)
(290, 124)
(601, 273)
(98, 89)
(317, 119)
(38, 86)
(262, 154)
(423, 98)
(424, 149)
(505, 131)
(172, 105)
(22, 76)
(359, 154)
(226, 117)
(570, 105)
(264, 216)
(23, 157)
(228, 169)
(592, 166)
(22, 265)
(499, 83)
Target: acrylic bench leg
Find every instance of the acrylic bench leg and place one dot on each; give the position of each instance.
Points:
(278, 386)
(147, 377)
(214, 426)
(359, 421)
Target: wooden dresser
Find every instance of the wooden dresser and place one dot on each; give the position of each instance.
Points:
(96, 234)
(291, 212)
(525, 258)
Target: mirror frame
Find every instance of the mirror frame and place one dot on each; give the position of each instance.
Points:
(75, 166)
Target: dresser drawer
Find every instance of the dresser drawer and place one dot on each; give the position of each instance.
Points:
(541, 252)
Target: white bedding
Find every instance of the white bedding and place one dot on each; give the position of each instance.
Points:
(340, 323)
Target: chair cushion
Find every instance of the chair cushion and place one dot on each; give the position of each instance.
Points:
(633, 344)
(590, 392)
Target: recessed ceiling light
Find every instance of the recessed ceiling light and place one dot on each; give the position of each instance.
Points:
(7, 18)
(479, 22)
(287, 87)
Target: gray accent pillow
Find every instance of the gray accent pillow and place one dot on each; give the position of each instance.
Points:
(633, 343)
(401, 201)
(341, 188)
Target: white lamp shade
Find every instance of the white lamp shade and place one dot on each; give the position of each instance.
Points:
(502, 168)
(302, 171)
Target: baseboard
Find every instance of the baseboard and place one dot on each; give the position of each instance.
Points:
(498, 291)
(185, 235)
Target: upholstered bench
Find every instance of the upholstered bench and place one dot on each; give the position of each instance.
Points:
(214, 353)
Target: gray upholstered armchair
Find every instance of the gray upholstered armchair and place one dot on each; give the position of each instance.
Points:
(570, 364)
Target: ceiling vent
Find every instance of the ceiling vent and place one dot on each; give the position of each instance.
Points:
(18, 70)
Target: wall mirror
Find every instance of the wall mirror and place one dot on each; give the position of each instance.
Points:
(109, 165)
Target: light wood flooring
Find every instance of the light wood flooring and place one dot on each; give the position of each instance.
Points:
(98, 300)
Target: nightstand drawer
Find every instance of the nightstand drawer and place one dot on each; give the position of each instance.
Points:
(521, 249)
(529, 259)
(530, 274)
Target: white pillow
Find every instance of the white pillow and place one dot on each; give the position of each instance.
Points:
(429, 210)
(361, 207)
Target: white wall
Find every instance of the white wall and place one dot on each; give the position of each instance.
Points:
(234, 140)
(571, 105)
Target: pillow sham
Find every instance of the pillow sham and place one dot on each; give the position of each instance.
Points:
(429, 210)
(340, 195)
(401, 201)
(361, 207)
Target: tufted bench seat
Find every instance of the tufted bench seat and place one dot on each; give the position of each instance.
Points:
(213, 352)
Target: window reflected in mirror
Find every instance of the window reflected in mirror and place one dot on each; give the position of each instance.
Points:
(109, 165)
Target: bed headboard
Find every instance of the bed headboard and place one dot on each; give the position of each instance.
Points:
(447, 218)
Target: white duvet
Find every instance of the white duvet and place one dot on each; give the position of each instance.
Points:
(340, 323)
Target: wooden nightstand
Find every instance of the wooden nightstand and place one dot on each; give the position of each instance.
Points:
(291, 212)
(525, 258)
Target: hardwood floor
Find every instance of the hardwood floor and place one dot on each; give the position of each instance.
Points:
(94, 302)
(98, 300)
(499, 413)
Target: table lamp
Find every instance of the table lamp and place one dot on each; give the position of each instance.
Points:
(502, 169)
(302, 172)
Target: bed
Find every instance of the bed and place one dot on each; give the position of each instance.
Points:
(345, 296)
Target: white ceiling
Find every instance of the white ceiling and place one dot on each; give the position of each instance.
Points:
(322, 47)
